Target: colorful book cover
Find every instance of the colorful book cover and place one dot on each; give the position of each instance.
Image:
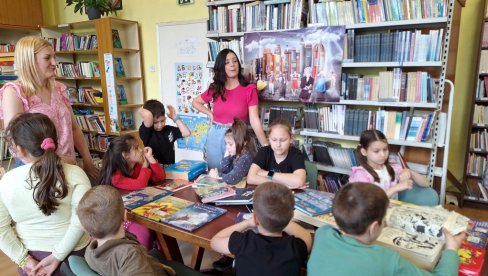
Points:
(471, 260)
(119, 68)
(185, 169)
(138, 198)
(174, 185)
(243, 196)
(313, 202)
(194, 216)
(477, 233)
(205, 180)
(121, 94)
(127, 120)
(162, 207)
(212, 193)
(117, 43)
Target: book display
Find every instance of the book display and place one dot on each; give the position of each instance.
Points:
(100, 63)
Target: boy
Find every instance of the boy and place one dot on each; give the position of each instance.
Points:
(359, 210)
(258, 244)
(112, 252)
(156, 134)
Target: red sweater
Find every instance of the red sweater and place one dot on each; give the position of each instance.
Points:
(139, 178)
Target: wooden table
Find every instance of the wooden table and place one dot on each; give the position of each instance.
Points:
(167, 235)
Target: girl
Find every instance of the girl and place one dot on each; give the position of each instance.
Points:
(372, 155)
(129, 167)
(232, 96)
(39, 228)
(279, 162)
(239, 152)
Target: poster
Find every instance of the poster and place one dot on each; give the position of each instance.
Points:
(189, 84)
(112, 98)
(198, 127)
(297, 65)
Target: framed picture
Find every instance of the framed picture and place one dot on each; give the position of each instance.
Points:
(117, 5)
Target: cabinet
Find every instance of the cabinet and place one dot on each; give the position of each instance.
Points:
(100, 63)
(387, 44)
(23, 14)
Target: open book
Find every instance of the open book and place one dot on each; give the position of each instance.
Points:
(416, 232)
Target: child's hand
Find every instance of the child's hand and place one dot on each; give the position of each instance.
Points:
(404, 185)
(405, 175)
(214, 173)
(453, 242)
(171, 112)
(149, 155)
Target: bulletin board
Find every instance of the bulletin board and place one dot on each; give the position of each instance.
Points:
(183, 74)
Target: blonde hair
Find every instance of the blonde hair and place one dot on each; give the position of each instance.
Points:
(25, 58)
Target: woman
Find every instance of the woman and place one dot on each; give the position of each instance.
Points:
(232, 96)
(37, 91)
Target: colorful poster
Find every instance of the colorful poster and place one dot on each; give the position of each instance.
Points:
(112, 98)
(297, 65)
(189, 84)
(199, 127)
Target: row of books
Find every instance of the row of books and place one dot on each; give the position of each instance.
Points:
(290, 113)
(7, 66)
(479, 140)
(73, 42)
(390, 86)
(7, 47)
(97, 142)
(82, 69)
(333, 154)
(480, 115)
(278, 17)
(401, 46)
(476, 164)
(331, 183)
(482, 88)
(214, 47)
(393, 10)
(93, 122)
(84, 94)
(332, 13)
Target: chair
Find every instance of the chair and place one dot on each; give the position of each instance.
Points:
(79, 267)
(312, 174)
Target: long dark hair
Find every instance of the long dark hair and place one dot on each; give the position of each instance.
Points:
(367, 137)
(220, 77)
(243, 137)
(29, 131)
(114, 160)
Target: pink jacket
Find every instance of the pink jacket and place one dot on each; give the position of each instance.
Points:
(360, 174)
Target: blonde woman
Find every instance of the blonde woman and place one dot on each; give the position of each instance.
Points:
(37, 91)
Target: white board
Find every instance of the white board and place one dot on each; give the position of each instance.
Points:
(180, 42)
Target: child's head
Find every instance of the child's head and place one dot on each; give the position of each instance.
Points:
(239, 139)
(357, 205)
(101, 211)
(122, 154)
(373, 153)
(159, 114)
(280, 136)
(33, 136)
(273, 205)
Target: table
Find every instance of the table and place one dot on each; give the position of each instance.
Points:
(167, 235)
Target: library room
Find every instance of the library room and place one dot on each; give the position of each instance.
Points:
(243, 137)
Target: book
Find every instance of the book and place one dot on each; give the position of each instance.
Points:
(160, 208)
(140, 197)
(212, 193)
(117, 43)
(313, 202)
(185, 169)
(471, 260)
(206, 180)
(121, 94)
(477, 233)
(243, 196)
(127, 120)
(174, 185)
(416, 232)
(119, 68)
(194, 216)
(317, 221)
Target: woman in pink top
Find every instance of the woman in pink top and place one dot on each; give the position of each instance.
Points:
(231, 96)
(36, 91)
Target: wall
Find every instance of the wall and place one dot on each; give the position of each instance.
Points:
(148, 13)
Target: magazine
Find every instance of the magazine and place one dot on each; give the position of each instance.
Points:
(185, 169)
(140, 197)
(174, 185)
(206, 180)
(212, 193)
(158, 209)
(313, 202)
(243, 196)
(194, 216)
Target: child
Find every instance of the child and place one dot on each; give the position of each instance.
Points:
(372, 155)
(279, 162)
(112, 252)
(126, 166)
(156, 134)
(359, 210)
(239, 152)
(38, 225)
(258, 243)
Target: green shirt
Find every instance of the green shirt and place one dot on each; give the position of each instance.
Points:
(336, 254)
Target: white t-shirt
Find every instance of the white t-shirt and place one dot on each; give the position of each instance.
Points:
(385, 181)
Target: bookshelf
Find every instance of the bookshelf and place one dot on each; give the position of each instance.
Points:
(477, 148)
(100, 63)
(427, 155)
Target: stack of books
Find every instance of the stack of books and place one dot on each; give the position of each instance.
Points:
(473, 249)
(185, 169)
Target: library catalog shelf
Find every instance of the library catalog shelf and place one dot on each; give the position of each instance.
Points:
(392, 64)
(227, 2)
(426, 145)
(390, 104)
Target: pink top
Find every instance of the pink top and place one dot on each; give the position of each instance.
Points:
(360, 174)
(59, 111)
(237, 103)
